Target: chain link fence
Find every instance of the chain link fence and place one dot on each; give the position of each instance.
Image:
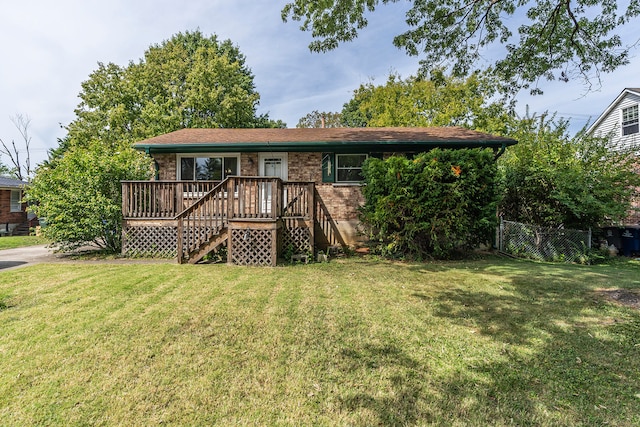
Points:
(543, 243)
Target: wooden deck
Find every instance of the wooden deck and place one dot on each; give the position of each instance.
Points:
(254, 217)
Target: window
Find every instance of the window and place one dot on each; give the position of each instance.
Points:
(205, 168)
(349, 167)
(16, 198)
(630, 120)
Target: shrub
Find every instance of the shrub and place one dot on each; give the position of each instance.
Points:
(433, 205)
(80, 195)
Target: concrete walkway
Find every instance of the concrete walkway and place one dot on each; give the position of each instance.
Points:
(29, 255)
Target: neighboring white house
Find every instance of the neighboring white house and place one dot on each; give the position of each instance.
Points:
(621, 122)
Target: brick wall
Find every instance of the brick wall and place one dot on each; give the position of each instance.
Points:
(340, 201)
(249, 164)
(305, 167)
(6, 216)
(166, 166)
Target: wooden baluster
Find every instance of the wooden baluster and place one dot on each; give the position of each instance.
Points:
(274, 199)
(179, 253)
(231, 185)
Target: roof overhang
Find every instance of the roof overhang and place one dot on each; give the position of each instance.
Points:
(325, 146)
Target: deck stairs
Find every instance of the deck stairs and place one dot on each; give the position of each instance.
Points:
(253, 216)
(203, 226)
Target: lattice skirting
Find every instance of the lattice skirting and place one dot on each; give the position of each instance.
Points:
(249, 246)
(252, 247)
(149, 241)
(298, 238)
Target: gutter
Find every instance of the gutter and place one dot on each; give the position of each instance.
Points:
(321, 146)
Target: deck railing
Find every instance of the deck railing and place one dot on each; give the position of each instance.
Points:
(253, 197)
(161, 199)
(297, 199)
(202, 209)
(204, 219)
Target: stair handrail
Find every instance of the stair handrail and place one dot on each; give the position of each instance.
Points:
(195, 229)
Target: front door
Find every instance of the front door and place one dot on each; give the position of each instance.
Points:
(271, 165)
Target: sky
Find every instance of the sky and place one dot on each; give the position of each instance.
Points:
(49, 48)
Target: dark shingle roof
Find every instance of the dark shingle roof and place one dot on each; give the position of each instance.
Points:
(12, 183)
(319, 138)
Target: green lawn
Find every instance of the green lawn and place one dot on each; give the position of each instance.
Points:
(356, 342)
(11, 242)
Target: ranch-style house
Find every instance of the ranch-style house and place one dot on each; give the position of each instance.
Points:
(260, 192)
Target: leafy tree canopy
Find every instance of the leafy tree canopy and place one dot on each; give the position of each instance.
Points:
(417, 101)
(80, 196)
(6, 171)
(533, 39)
(320, 119)
(555, 180)
(187, 81)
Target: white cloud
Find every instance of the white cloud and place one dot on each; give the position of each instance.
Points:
(49, 48)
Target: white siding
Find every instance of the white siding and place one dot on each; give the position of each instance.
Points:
(612, 123)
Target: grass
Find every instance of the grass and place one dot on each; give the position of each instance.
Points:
(12, 242)
(356, 342)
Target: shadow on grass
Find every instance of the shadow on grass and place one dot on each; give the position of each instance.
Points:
(560, 354)
(397, 406)
(569, 357)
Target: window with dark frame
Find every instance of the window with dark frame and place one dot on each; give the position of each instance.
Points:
(349, 167)
(208, 168)
(630, 120)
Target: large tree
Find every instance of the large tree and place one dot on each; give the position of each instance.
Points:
(187, 81)
(531, 39)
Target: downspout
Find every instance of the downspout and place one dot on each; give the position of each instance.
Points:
(156, 166)
(499, 153)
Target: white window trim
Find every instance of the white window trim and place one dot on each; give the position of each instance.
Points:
(179, 157)
(19, 203)
(337, 156)
(622, 119)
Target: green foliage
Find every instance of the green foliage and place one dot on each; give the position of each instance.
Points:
(80, 196)
(320, 119)
(6, 171)
(416, 101)
(435, 204)
(552, 179)
(187, 81)
(550, 39)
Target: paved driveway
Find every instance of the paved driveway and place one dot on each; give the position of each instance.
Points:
(12, 258)
(28, 255)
